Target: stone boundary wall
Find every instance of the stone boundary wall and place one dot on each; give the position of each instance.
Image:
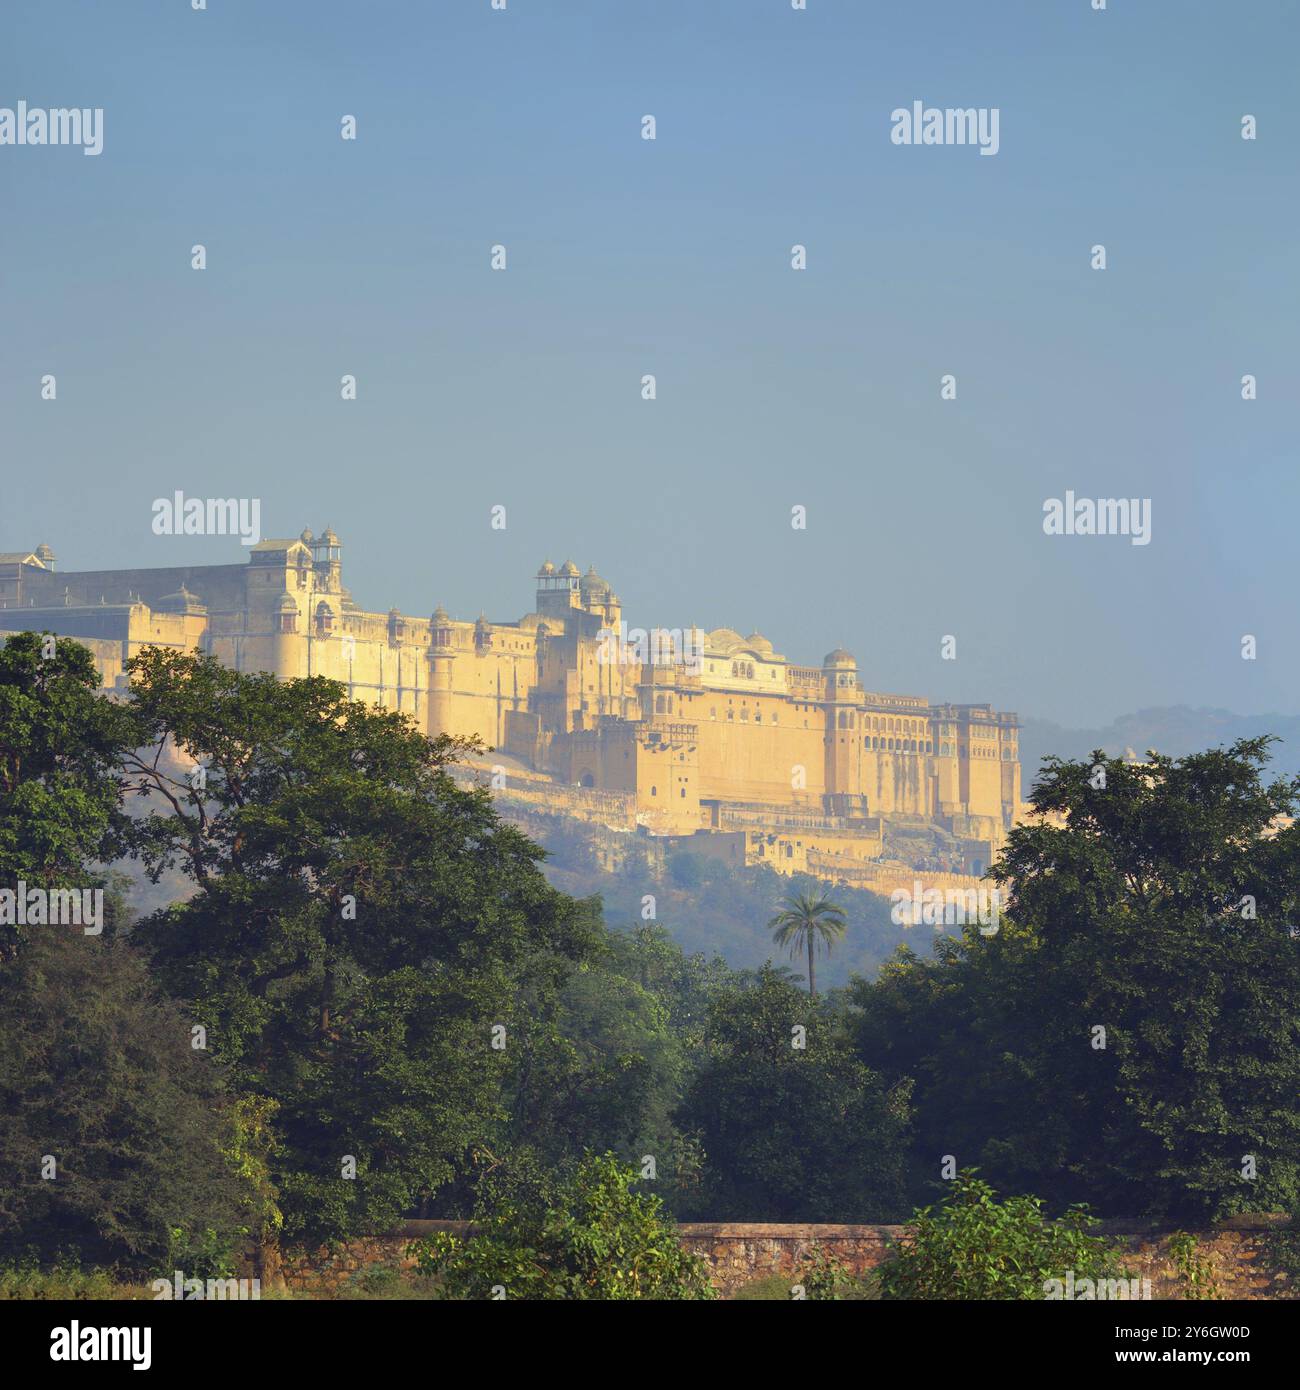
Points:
(738, 1253)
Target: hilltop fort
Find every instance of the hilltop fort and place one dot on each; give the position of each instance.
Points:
(801, 767)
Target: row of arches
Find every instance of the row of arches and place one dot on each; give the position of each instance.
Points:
(849, 719)
(898, 745)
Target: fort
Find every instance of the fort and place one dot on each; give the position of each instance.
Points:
(722, 739)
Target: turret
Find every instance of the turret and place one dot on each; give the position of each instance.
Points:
(440, 628)
(559, 591)
(327, 559)
(843, 746)
(442, 657)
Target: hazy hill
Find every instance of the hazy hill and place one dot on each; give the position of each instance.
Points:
(1175, 729)
(714, 909)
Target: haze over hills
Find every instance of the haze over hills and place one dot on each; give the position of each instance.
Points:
(1172, 729)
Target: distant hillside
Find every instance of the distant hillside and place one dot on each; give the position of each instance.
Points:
(1176, 730)
(711, 908)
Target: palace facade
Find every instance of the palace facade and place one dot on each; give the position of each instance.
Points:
(799, 765)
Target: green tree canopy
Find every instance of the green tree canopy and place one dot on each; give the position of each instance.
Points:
(61, 744)
(794, 1127)
(359, 935)
(1130, 1037)
(113, 1130)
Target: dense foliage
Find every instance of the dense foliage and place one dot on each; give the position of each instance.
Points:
(794, 1125)
(1130, 1036)
(972, 1246)
(590, 1236)
(113, 1129)
(61, 747)
(364, 999)
(363, 933)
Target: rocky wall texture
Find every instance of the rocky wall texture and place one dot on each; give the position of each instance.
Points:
(1231, 1260)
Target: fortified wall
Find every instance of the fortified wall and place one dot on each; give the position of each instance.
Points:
(1236, 1254)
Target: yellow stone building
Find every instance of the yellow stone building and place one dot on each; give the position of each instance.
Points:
(681, 732)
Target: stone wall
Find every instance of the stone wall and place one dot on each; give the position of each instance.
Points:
(1234, 1252)
(738, 1254)
(328, 1270)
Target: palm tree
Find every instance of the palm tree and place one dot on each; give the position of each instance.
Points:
(804, 921)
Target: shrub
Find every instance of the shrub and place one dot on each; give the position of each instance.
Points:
(589, 1237)
(1195, 1270)
(825, 1279)
(387, 1283)
(971, 1246)
(25, 1279)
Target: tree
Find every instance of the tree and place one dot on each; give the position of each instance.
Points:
(1129, 1037)
(60, 787)
(360, 936)
(805, 922)
(112, 1126)
(600, 1065)
(685, 984)
(793, 1126)
(588, 1237)
(597, 1067)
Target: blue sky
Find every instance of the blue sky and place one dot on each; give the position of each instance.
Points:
(672, 257)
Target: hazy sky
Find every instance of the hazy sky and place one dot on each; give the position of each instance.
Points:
(626, 256)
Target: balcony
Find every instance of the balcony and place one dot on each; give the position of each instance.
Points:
(669, 734)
